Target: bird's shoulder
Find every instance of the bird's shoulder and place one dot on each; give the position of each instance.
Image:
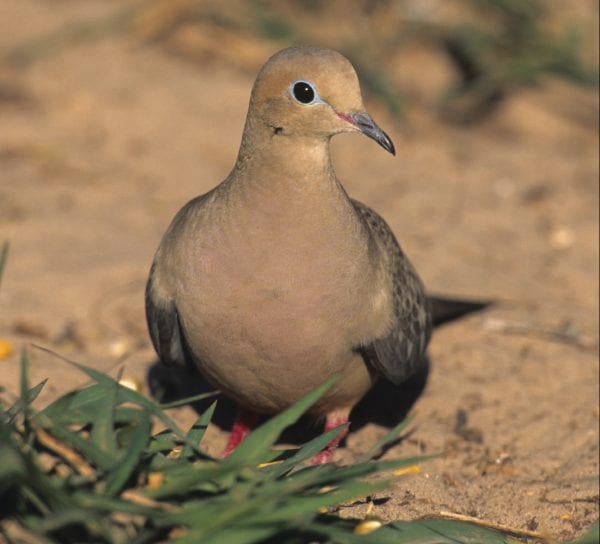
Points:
(160, 304)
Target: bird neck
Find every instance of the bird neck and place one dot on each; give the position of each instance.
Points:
(274, 161)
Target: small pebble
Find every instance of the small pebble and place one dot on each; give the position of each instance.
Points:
(410, 469)
(6, 348)
(131, 383)
(367, 526)
(118, 348)
(155, 480)
(562, 238)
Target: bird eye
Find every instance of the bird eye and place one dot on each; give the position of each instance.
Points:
(304, 92)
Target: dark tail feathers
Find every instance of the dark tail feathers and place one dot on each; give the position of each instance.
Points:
(444, 309)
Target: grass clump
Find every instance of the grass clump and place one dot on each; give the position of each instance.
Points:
(90, 468)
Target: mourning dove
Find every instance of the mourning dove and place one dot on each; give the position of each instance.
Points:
(275, 280)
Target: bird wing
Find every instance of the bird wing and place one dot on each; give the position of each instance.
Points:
(161, 311)
(164, 326)
(399, 353)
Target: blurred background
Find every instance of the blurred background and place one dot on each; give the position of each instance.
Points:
(114, 113)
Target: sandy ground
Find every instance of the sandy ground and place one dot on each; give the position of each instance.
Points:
(102, 142)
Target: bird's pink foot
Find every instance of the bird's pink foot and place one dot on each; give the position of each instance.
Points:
(333, 420)
(245, 421)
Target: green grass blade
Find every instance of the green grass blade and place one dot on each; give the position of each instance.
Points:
(591, 537)
(93, 501)
(67, 518)
(309, 450)
(445, 531)
(378, 447)
(330, 475)
(3, 258)
(135, 450)
(253, 449)
(88, 449)
(184, 477)
(75, 407)
(231, 535)
(196, 433)
(208, 520)
(81, 408)
(24, 397)
(407, 532)
(188, 400)
(340, 530)
(14, 465)
(32, 394)
(163, 441)
(103, 425)
(307, 505)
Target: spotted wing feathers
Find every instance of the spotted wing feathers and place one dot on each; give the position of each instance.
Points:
(398, 354)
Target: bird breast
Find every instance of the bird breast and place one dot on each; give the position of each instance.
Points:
(269, 302)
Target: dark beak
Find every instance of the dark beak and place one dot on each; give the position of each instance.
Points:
(364, 122)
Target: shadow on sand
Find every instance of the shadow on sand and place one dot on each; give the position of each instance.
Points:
(385, 404)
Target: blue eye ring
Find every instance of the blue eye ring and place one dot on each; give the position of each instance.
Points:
(304, 92)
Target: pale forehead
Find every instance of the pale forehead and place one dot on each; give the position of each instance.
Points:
(309, 57)
(327, 69)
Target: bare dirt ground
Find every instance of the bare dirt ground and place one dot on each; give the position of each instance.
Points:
(102, 142)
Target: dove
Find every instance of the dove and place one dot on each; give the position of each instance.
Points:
(276, 280)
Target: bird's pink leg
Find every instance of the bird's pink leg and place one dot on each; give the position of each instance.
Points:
(245, 421)
(333, 420)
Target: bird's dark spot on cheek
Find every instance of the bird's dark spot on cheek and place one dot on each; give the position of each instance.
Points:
(277, 130)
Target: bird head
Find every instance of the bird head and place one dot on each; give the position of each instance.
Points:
(311, 92)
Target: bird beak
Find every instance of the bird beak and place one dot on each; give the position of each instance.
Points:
(364, 122)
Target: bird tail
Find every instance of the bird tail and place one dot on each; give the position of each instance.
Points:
(444, 309)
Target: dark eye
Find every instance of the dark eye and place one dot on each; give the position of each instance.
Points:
(303, 92)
